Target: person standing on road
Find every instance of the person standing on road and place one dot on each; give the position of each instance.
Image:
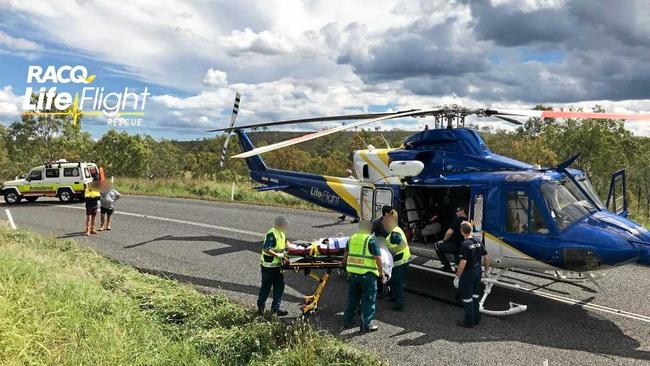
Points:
(272, 259)
(451, 241)
(399, 247)
(107, 206)
(363, 263)
(91, 196)
(468, 276)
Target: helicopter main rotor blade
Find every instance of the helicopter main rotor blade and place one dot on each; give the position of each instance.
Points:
(566, 114)
(314, 119)
(315, 135)
(510, 120)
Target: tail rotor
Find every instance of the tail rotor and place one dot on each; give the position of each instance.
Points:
(233, 117)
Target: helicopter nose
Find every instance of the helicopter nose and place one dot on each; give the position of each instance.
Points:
(642, 242)
(632, 240)
(644, 258)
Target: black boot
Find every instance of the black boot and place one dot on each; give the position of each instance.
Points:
(469, 315)
(477, 311)
(280, 312)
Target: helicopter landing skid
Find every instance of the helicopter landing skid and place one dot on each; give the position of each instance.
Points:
(489, 283)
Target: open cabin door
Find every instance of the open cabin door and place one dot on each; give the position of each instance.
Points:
(366, 203)
(477, 208)
(617, 196)
(373, 199)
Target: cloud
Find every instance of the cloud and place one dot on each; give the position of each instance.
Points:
(18, 44)
(262, 43)
(9, 103)
(215, 78)
(296, 58)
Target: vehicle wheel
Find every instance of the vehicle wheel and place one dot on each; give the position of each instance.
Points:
(12, 198)
(66, 196)
(31, 199)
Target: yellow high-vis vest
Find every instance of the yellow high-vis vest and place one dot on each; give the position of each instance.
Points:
(280, 244)
(405, 251)
(91, 193)
(360, 260)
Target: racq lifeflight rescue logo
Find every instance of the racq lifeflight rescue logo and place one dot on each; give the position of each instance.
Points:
(124, 108)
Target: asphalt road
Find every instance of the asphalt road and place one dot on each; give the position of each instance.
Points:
(217, 245)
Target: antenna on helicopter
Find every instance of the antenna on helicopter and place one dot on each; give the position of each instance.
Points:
(378, 129)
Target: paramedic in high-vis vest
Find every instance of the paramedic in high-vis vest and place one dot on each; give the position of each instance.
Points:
(363, 263)
(399, 247)
(271, 259)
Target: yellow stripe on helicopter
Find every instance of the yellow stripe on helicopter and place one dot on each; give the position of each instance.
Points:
(339, 187)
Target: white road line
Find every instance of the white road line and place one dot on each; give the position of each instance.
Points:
(566, 300)
(588, 305)
(178, 221)
(11, 219)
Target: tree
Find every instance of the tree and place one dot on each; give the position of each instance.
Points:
(167, 161)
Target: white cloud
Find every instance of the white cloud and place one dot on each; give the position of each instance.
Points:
(294, 58)
(9, 103)
(18, 44)
(215, 78)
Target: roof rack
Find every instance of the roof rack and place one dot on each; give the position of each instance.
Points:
(50, 164)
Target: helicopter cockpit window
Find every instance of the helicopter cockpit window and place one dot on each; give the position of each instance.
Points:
(585, 183)
(517, 216)
(565, 202)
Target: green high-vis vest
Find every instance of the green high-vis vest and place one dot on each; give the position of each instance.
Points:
(360, 260)
(398, 249)
(280, 244)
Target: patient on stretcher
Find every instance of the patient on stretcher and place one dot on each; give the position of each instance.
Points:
(334, 248)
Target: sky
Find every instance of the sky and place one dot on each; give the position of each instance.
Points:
(293, 59)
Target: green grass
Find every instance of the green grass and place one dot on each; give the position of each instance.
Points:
(61, 304)
(209, 190)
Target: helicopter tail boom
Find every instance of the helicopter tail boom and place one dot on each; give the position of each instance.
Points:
(255, 162)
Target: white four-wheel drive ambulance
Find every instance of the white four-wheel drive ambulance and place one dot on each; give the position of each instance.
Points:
(62, 179)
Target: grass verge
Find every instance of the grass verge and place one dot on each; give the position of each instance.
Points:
(209, 190)
(61, 304)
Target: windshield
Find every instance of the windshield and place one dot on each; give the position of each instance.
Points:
(585, 183)
(565, 202)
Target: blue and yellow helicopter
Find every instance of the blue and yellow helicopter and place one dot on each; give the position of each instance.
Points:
(546, 222)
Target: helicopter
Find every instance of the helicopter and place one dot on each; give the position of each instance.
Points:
(546, 222)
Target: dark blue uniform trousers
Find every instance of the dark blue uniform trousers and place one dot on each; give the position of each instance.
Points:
(363, 288)
(271, 278)
(470, 289)
(397, 282)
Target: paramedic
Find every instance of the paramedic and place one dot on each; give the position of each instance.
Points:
(468, 276)
(272, 259)
(399, 247)
(363, 264)
(451, 241)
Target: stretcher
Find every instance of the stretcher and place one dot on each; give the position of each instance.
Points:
(325, 254)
